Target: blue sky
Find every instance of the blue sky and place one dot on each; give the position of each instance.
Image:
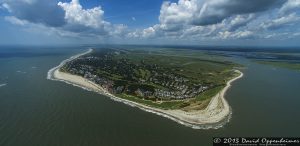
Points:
(145, 12)
(182, 22)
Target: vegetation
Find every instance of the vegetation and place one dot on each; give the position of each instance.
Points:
(167, 79)
(288, 65)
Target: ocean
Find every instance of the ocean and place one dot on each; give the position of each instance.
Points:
(35, 111)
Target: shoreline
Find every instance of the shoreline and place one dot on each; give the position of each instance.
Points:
(215, 115)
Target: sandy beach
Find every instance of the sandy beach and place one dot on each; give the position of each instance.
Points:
(215, 115)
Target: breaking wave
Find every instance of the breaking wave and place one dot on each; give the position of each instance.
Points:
(2, 85)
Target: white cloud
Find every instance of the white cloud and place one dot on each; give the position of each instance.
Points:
(240, 21)
(236, 35)
(244, 34)
(44, 12)
(281, 22)
(6, 6)
(148, 32)
(18, 1)
(75, 14)
(15, 20)
(215, 11)
(183, 20)
(145, 33)
(29, 1)
(118, 30)
(222, 19)
(177, 13)
(289, 6)
(62, 18)
(89, 22)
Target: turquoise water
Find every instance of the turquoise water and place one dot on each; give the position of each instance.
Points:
(35, 111)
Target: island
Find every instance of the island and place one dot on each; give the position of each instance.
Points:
(188, 89)
(283, 64)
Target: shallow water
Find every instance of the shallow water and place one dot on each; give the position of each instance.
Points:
(37, 111)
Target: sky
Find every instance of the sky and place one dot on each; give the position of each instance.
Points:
(175, 22)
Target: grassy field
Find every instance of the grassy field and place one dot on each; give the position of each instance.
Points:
(197, 66)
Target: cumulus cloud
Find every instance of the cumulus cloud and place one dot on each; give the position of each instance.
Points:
(236, 35)
(145, 33)
(220, 19)
(75, 14)
(36, 11)
(215, 11)
(181, 20)
(15, 20)
(177, 13)
(207, 12)
(289, 6)
(281, 22)
(240, 21)
(66, 17)
(85, 21)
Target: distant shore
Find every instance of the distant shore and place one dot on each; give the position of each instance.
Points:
(215, 115)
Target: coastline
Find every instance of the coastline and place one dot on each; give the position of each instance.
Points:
(215, 115)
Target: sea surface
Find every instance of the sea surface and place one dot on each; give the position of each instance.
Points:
(35, 111)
